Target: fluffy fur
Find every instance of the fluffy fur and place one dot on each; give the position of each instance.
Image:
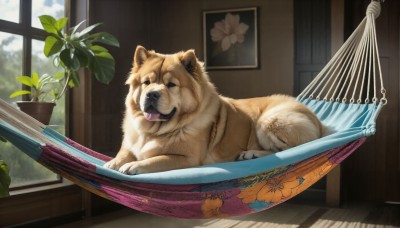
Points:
(175, 119)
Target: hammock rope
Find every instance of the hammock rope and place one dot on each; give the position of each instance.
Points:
(346, 72)
(344, 95)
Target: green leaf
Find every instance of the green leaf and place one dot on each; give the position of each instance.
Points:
(49, 24)
(59, 75)
(88, 29)
(98, 49)
(52, 45)
(75, 28)
(105, 38)
(69, 59)
(56, 61)
(60, 23)
(26, 80)
(74, 80)
(20, 93)
(35, 80)
(103, 67)
(54, 93)
(5, 180)
(3, 139)
(44, 78)
(82, 56)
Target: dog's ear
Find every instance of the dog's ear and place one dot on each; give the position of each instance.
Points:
(141, 55)
(189, 61)
(130, 79)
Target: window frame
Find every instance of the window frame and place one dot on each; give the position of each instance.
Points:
(25, 29)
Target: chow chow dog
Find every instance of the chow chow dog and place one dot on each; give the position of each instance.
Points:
(175, 119)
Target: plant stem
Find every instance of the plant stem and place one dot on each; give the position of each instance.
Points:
(35, 94)
(68, 72)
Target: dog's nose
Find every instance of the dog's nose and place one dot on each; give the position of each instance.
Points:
(154, 95)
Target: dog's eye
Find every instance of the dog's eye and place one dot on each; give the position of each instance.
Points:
(147, 82)
(170, 85)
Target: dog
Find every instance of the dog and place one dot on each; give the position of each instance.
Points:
(175, 119)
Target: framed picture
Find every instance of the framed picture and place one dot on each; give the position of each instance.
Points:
(230, 38)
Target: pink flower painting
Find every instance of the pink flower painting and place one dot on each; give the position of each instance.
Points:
(230, 38)
(229, 31)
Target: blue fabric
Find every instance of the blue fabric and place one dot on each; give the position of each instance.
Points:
(348, 121)
(60, 140)
(340, 117)
(23, 142)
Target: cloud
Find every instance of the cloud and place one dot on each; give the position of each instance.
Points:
(9, 10)
(13, 43)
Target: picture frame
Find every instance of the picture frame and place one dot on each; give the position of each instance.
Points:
(230, 38)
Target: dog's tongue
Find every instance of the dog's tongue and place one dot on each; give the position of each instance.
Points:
(152, 116)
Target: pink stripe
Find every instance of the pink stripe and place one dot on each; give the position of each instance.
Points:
(88, 151)
(179, 201)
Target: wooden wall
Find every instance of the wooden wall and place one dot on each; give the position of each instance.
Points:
(312, 40)
(373, 172)
(183, 30)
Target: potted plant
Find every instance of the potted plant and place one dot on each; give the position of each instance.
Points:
(44, 92)
(72, 51)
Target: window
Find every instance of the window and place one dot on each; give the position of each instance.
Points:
(9, 10)
(21, 53)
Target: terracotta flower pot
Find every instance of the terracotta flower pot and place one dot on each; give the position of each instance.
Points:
(41, 111)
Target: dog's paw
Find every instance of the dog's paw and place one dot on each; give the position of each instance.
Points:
(131, 168)
(112, 164)
(251, 154)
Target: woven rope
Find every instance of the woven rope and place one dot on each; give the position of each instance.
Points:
(354, 72)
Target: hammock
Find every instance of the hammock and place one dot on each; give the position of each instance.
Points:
(344, 96)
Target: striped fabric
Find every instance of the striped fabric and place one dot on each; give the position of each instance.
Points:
(219, 190)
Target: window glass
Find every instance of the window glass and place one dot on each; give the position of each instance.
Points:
(54, 8)
(40, 63)
(23, 170)
(10, 63)
(9, 10)
(43, 65)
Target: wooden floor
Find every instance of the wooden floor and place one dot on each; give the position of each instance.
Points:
(284, 215)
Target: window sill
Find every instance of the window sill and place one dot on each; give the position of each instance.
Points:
(40, 203)
(64, 183)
